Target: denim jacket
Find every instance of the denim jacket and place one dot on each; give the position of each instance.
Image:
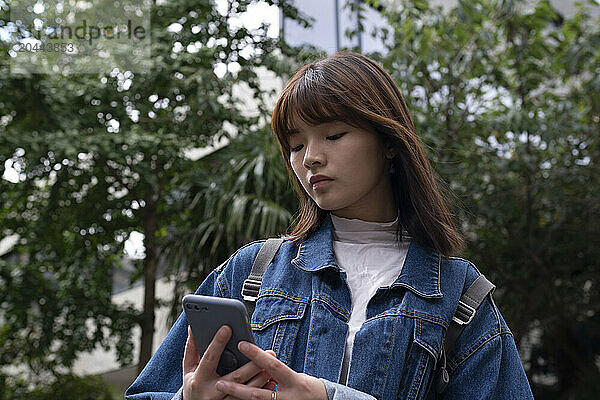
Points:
(302, 314)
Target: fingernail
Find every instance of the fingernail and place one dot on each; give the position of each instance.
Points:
(223, 331)
(220, 385)
(244, 346)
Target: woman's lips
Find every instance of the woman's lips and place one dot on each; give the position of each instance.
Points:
(321, 183)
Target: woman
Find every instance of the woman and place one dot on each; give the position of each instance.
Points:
(358, 299)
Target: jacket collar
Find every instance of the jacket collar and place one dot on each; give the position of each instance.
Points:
(420, 272)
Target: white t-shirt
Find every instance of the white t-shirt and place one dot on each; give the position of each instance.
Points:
(371, 257)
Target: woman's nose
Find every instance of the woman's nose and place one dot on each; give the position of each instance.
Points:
(312, 156)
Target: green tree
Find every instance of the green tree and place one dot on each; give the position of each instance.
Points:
(64, 387)
(85, 182)
(239, 194)
(505, 96)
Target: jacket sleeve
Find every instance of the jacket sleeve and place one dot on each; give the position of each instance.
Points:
(162, 377)
(487, 365)
(337, 391)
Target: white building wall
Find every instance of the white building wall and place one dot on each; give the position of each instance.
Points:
(100, 361)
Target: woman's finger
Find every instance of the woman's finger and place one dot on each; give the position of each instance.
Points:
(210, 359)
(278, 370)
(245, 373)
(270, 385)
(260, 380)
(243, 391)
(191, 358)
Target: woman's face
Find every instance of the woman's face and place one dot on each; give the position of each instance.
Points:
(352, 163)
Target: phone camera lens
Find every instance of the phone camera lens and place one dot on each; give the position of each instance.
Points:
(196, 307)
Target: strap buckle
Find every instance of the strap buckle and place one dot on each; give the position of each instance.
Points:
(250, 289)
(464, 313)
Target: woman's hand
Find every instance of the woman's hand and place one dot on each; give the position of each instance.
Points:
(200, 374)
(291, 385)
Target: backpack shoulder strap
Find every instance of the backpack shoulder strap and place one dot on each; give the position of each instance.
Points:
(468, 304)
(261, 262)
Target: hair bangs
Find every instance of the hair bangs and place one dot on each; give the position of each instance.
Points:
(307, 101)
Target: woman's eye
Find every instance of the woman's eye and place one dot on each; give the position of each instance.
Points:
(336, 137)
(332, 137)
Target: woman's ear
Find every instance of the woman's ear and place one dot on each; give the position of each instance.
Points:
(390, 151)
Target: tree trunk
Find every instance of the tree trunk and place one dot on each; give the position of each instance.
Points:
(148, 316)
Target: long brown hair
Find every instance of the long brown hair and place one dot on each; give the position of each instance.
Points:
(352, 88)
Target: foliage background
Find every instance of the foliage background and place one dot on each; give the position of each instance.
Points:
(504, 95)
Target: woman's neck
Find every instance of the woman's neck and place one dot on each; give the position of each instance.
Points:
(359, 231)
(376, 215)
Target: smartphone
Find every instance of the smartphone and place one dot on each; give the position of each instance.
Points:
(206, 314)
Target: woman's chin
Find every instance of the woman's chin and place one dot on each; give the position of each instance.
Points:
(328, 206)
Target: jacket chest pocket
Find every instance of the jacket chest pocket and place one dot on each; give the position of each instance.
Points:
(421, 360)
(276, 321)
